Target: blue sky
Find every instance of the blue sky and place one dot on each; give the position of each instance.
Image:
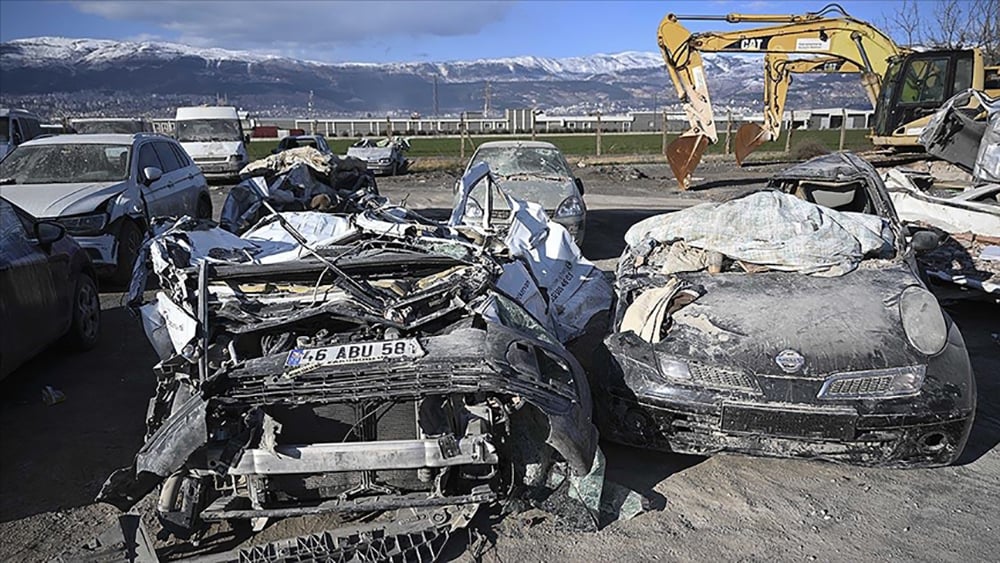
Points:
(392, 31)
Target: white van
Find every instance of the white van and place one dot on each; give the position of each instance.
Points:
(213, 137)
(16, 127)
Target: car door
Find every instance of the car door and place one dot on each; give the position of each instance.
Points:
(156, 194)
(182, 199)
(31, 307)
(194, 180)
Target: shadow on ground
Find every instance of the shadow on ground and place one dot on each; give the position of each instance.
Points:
(57, 457)
(978, 323)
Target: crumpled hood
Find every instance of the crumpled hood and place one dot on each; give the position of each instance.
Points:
(547, 193)
(57, 200)
(846, 323)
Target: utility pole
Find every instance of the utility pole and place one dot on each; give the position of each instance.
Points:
(598, 143)
(436, 107)
(843, 128)
(388, 127)
(791, 126)
(663, 128)
(312, 121)
(534, 111)
(487, 92)
(461, 136)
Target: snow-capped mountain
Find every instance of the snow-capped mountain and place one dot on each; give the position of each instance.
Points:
(96, 75)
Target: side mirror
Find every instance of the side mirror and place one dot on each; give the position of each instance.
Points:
(579, 185)
(49, 232)
(925, 241)
(151, 174)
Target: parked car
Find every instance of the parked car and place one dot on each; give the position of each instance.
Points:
(214, 138)
(384, 156)
(815, 336)
(47, 289)
(533, 171)
(17, 126)
(104, 189)
(317, 142)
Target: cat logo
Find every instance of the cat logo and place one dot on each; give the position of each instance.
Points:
(753, 44)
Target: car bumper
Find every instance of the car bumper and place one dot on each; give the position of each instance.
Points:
(379, 168)
(102, 250)
(217, 169)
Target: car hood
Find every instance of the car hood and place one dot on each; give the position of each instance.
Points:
(212, 149)
(56, 200)
(547, 193)
(370, 153)
(837, 324)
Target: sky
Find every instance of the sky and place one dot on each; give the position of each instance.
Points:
(391, 31)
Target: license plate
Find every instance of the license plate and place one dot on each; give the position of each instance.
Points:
(355, 353)
(789, 421)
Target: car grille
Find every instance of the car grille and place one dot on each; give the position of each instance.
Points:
(875, 385)
(722, 378)
(504, 214)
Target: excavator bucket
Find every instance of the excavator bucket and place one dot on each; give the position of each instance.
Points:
(684, 154)
(748, 137)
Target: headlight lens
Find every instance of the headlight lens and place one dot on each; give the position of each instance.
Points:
(922, 320)
(473, 210)
(672, 368)
(570, 207)
(875, 383)
(85, 224)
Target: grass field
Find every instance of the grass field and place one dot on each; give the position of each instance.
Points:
(584, 145)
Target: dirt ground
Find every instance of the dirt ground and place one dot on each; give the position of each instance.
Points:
(728, 507)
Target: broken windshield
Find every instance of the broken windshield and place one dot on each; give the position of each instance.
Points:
(66, 164)
(529, 161)
(204, 130)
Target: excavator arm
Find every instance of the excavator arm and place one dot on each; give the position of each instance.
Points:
(854, 41)
(778, 71)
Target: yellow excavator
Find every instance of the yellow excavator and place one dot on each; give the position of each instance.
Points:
(906, 86)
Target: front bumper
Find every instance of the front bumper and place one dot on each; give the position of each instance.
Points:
(783, 430)
(379, 168)
(219, 168)
(102, 250)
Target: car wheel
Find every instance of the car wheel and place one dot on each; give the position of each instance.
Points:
(129, 242)
(86, 327)
(204, 210)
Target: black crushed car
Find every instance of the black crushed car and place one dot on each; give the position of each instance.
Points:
(789, 322)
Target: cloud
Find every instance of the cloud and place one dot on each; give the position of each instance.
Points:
(295, 26)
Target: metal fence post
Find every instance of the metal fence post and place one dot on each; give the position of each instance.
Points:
(843, 129)
(791, 127)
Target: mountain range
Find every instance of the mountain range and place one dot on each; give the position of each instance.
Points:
(61, 76)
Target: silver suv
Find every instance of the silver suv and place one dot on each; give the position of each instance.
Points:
(104, 189)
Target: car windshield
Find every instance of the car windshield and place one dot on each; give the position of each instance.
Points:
(4, 129)
(110, 126)
(65, 164)
(200, 130)
(515, 161)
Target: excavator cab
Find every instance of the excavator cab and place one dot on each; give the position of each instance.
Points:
(915, 86)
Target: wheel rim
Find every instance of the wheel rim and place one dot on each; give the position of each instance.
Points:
(88, 309)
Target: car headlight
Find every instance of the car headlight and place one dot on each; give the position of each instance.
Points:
(473, 210)
(874, 384)
(235, 157)
(570, 207)
(672, 368)
(383, 161)
(85, 224)
(922, 320)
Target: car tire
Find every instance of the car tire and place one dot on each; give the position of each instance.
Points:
(85, 330)
(204, 209)
(129, 241)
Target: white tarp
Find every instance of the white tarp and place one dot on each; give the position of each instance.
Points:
(576, 289)
(773, 229)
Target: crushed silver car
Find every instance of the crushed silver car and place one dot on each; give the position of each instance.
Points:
(384, 156)
(365, 362)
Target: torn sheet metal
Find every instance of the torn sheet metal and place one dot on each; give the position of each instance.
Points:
(773, 229)
(976, 210)
(956, 133)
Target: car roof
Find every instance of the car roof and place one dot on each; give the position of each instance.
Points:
(91, 139)
(525, 144)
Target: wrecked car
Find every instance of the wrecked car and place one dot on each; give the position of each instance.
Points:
(384, 156)
(317, 142)
(104, 189)
(532, 171)
(356, 363)
(788, 322)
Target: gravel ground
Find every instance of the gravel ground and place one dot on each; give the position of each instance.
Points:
(723, 508)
